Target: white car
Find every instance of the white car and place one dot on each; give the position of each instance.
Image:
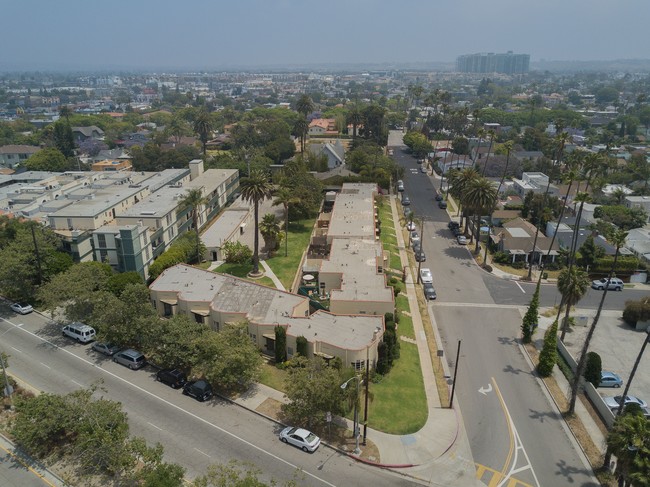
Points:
(614, 283)
(22, 308)
(615, 402)
(302, 438)
(462, 240)
(410, 226)
(425, 275)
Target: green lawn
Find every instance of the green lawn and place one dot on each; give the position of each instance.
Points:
(242, 270)
(398, 404)
(273, 377)
(405, 326)
(287, 267)
(388, 229)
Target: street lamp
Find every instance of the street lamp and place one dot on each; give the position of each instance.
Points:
(357, 450)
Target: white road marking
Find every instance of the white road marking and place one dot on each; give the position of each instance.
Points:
(46, 366)
(202, 453)
(160, 429)
(75, 382)
(485, 390)
(171, 404)
(522, 289)
(19, 351)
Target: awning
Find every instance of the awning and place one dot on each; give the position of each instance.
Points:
(200, 312)
(270, 336)
(324, 355)
(170, 301)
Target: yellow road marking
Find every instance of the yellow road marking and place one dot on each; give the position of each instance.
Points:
(496, 477)
(510, 433)
(19, 460)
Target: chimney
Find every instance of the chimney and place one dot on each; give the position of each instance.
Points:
(196, 168)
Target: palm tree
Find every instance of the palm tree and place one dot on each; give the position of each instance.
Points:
(355, 118)
(507, 146)
(193, 201)
(300, 128)
(481, 135)
(629, 440)
(458, 182)
(480, 197)
(617, 238)
(270, 230)
(65, 112)
(255, 189)
(203, 128)
(304, 105)
(176, 128)
(572, 284)
(487, 157)
(284, 196)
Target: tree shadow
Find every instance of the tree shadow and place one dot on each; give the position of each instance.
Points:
(459, 253)
(541, 416)
(568, 472)
(511, 370)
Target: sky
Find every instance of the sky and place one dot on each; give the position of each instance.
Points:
(213, 34)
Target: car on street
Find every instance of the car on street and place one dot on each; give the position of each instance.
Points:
(609, 379)
(442, 205)
(429, 291)
(400, 185)
(109, 349)
(130, 358)
(174, 378)
(390, 152)
(462, 239)
(201, 390)
(414, 237)
(420, 256)
(615, 402)
(407, 212)
(425, 275)
(453, 224)
(79, 331)
(301, 438)
(614, 283)
(439, 198)
(22, 308)
(406, 201)
(410, 226)
(417, 247)
(423, 169)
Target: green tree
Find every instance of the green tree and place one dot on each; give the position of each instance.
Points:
(573, 284)
(459, 182)
(255, 189)
(237, 253)
(590, 252)
(629, 440)
(480, 197)
(531, 318)
(312, 389)
(623, 217)
(236, 474)
(203, 128)
(118, 282)
(617, 238)
(271, 232)
(280, 344)
(177, 342)
(285, 196)
(301, 346)
(50, 159)
(593, 369)
(300, 129)
(548, 355)
(63, 138)
(193, 201)
(304, 105)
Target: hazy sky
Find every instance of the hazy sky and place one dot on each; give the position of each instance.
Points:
(95, 34)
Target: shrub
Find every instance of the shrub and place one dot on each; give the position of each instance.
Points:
(487, 267)
(548, 355)
(593, 368)
(301, 346)
(237, 253)
(518, 265)
(280, 344)
(636, 311)
(501, 258)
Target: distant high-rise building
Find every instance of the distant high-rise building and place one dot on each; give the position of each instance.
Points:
(490, 62)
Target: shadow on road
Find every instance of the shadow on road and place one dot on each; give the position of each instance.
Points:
(568, 472)
(541, 416)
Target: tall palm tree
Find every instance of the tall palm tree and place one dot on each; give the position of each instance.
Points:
(629, 440)
(617, 238)
(487, 157)
(300, 127)
(203, 128)
(507, 146)
(270, 230)
(285, 196)
(458, 182)
(572, 284)
(176, 128)
(304, 105)
(354, 118)
(255, 189)
(65, 112)
(481, 135)
(193, 200)
(480, 198)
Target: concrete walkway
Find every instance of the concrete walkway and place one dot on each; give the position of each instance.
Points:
(13, 458)
(269, 272)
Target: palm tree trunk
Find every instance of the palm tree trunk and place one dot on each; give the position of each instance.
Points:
(256, 240)
(286, 230)
(195, 218)
(477, 231)
(585, 347)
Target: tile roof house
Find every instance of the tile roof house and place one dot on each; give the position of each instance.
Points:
(323, 126)
(516, 239)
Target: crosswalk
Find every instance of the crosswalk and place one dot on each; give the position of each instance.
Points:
(494, 478)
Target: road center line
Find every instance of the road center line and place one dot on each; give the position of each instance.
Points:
(519, 286)
(46, 366)
(171, 404)
(75, 382)
(201, 452)
(151, 424)
(14, 348)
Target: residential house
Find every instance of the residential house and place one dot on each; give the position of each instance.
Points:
(112, 165)
(322, 126)
(334, 152)
(639, 202)
(516, 239)
(84, 133)
(536, 182)
(12, 155)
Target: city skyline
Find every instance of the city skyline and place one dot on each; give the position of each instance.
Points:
(163, 34)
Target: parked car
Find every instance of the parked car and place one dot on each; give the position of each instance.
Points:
(130, 358)
(425, 275)
(407, 212)
(420, 256)
(174, 378)
(400, 185)
(406, 201)
(453, 224)
(106, 348)
(414, 237)
(456, 231)
(610, 379)
(302, 438)
(429, 291)
(615, 283)
(201, 390)
(462, 240)
(417, 247)
(442, 205)
(439, 198)
(390, 152)
(410, 226)
(423, 169)
(79, 331)
(615, 402)
(22, 308)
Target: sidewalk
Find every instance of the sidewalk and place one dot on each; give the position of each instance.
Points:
(18, 460)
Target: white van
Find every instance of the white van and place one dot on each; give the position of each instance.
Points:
(80, 332)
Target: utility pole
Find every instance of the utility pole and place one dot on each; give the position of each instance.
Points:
(453, 385)
(38, 256)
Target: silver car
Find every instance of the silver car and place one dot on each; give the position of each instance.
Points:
(613, 284)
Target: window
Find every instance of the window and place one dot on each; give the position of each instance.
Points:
(290, 351)
(101, 240)
(359, 365)
(103, 256)
(167, 309)
(215, 325)
(198, 318)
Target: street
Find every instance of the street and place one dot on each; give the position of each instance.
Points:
(516, 436)
(194, 434)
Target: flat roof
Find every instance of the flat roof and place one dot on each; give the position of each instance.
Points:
(223, 227)
(211, 178)
(156, 204)
(353, 215)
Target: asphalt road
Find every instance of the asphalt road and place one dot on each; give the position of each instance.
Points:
(194, 434)
(515, 436)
